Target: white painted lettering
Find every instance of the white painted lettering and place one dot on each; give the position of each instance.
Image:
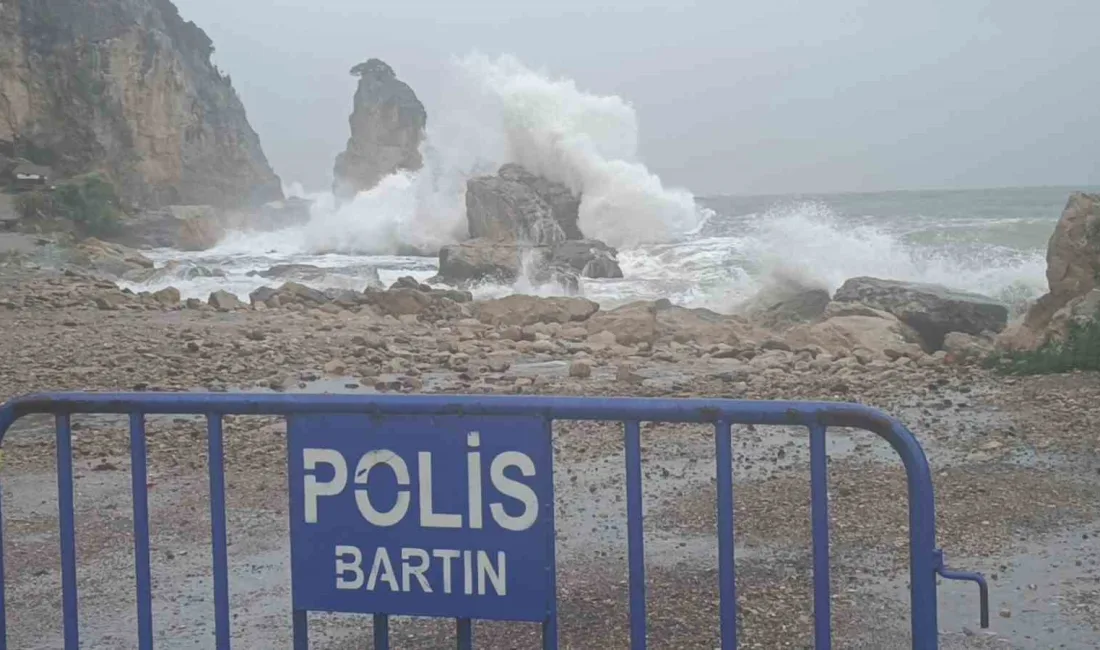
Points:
(446, 555)
(409, 570)
(473, 478)
(496, 575)
(314, 489)
(362, 499)
(514, 489)
(467, 574)
(382, 562)
(428, 518)
(353, 566)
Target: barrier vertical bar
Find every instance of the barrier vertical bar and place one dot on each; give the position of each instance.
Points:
(140, 491)
(465, 634)
(923, 559)
(635, 537)
(3, 601)
(300, 621)
(727, 580)
(67, 515)
(381, 632)
(819, 513)
(550, 625)
(216, 461)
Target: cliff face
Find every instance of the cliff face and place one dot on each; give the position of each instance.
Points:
(387, 126)
(126, 87)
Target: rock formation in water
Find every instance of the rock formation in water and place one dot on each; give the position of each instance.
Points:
(524, 225)
(126, 87)
(1073, 277)
(516, 205)
(387, 127)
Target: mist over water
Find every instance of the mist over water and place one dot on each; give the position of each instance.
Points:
(713, 253)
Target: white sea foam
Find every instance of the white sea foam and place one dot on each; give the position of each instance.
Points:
(497, 110)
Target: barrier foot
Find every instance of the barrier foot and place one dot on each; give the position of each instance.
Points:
(967, 576)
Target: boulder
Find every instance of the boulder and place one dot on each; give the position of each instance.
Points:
(107, 258)
(224, 301)
(409, 282)
(264, 295)
(845, 331)
(485, 260)
(580, 369)
(516, 205)
(400, 302)
(413, 302)
(779, 313)
(478, 260)
(171, 271)
(522, 310)
(387, 127)
(962, 346)
(931, 310)
(588, 258)
(168, 296)
(1073, 266)
(1073, 252)
(660, 321)
(312, 273)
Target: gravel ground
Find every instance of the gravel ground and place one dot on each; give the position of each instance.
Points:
(1015, 461)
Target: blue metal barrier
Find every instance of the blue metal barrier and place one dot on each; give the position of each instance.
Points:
(517, 430)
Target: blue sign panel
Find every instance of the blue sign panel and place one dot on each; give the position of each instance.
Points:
(424, 516)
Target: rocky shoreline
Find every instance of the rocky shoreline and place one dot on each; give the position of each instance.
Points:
(986, 436)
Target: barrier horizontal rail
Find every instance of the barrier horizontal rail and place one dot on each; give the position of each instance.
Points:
(313, 418)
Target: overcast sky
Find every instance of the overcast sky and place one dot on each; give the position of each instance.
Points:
(732, 96)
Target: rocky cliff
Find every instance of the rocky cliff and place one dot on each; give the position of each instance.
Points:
(387, 127)
(126, 87)
(1073, 273)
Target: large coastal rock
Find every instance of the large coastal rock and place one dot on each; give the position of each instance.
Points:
(931, 310)
(1073, 266)
(504, 262)
(516, 205)
(387, 127)
(847, 327)
(127, 87)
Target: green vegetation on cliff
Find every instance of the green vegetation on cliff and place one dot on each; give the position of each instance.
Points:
(1079, 350)
(90, 202)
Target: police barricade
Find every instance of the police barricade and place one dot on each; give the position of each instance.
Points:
(486, 548)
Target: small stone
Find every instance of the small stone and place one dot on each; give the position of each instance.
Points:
(544, 346)
(602, 339)
(106, 303)
(370, 341)
(512, 333)
(336, 367)
(1005, 612)
(581, 369)
(499, 362)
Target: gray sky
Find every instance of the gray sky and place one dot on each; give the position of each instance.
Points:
(748, 96)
